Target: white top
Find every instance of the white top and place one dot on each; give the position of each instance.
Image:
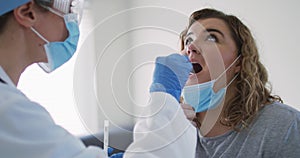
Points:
(28, 131)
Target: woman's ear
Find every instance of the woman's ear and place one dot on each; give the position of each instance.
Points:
(25, 15)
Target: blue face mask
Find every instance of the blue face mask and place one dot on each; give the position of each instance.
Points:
(202, 96)
(59, 53)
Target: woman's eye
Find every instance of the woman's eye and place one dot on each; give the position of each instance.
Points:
(188, 41)
(212, 38)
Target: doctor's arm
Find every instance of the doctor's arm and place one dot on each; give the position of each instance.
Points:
(165, 131)
(27, 130)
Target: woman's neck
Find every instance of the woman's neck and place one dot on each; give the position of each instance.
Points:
(211, 125)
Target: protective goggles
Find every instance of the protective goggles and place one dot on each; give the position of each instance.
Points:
(62, 7)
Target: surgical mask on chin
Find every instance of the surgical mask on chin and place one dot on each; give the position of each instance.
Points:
(59, 53)
(202, 96)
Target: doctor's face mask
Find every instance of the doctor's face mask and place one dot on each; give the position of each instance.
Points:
(59, 53)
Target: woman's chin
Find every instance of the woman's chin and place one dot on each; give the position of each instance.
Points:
(192, 80)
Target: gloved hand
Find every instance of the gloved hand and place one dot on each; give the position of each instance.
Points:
(116, 155)
(170, 74)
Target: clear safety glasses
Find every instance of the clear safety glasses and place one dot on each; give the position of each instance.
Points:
(62, 7)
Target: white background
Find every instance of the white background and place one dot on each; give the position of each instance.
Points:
(274, 24)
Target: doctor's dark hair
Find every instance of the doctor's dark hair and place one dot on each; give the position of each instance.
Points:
(4, 18)
(252, 87)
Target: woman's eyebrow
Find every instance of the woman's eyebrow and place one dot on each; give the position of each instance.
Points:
(188, 34)
(214, 30)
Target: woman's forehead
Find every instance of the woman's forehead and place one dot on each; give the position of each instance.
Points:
(203, 25)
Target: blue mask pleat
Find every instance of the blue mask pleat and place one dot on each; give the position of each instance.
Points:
(59, 53)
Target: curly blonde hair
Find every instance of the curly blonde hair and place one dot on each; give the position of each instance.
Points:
(252, 87)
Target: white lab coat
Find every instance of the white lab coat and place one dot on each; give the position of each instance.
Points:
(164, 132)
(28, 131)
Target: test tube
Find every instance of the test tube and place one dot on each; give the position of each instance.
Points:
(106, 135)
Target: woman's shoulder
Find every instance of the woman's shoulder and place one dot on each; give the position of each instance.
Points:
(279, 111)
(277, 116)
(282, 124)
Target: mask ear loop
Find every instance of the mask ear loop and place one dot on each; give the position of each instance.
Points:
(54, 12)
(38, 34)
(228, 68)
(226, 71)
(235, 76)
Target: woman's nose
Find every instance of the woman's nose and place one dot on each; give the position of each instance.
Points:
(191, 51)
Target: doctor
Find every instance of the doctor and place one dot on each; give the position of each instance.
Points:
(46, 32)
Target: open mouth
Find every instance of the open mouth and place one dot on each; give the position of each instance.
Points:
(196, 68)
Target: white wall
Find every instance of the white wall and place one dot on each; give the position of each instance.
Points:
(106, 43)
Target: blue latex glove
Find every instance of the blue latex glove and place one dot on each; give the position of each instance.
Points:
(116, 155)
(170, 74)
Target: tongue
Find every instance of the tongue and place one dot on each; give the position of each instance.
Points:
(196, 68)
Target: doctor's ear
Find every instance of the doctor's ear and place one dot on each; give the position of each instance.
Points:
(26, 14)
